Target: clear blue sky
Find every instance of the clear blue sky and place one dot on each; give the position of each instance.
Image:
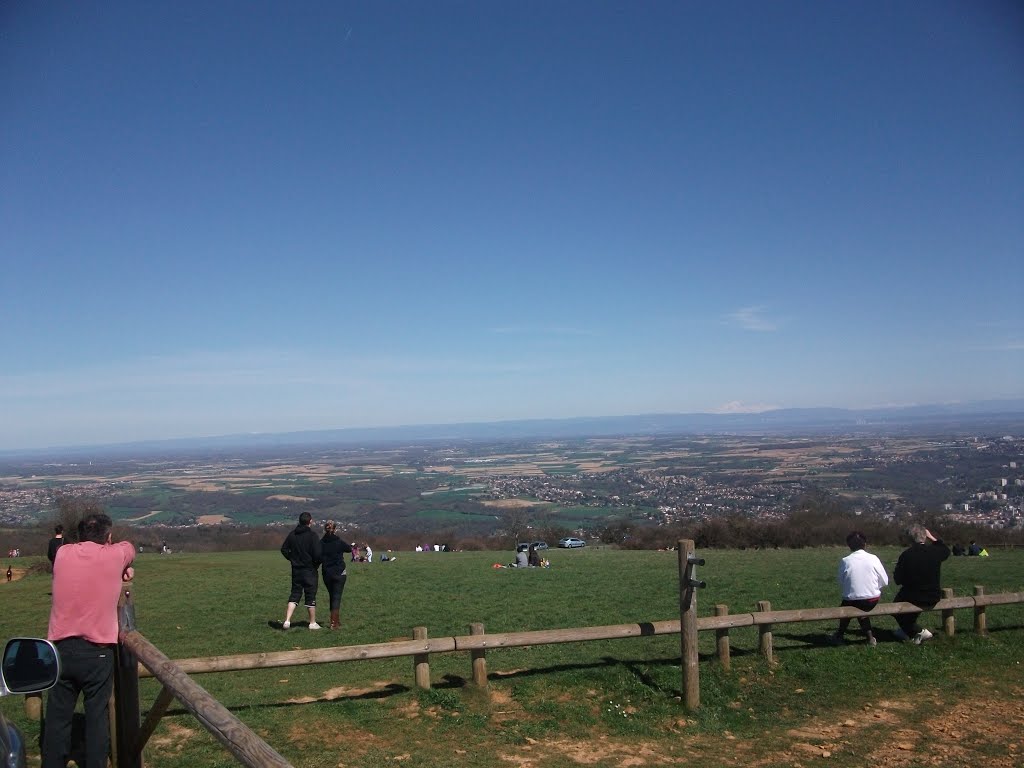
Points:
(223, 217)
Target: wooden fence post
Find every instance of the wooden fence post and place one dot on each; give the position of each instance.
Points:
(688, 626)
(948, 620)
(34, 706)
(479, 657)
(421, 661)
(124, 742)
(248, 748)
(765, 633)
(164, 699)
(722, 639)
(980, 625)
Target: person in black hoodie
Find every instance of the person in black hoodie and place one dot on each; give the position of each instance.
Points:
(302, 549)
(55, 543)
(334, 550)
(917, 573)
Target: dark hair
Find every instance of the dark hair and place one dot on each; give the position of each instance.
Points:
(305, 518)
(95, 527)
(856, 540)
(58, 529)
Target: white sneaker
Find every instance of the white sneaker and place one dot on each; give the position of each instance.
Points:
(921, 636)
(900, 635)
(314, 625)
(285, 624)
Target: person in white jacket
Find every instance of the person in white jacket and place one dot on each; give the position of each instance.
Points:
(862, 577)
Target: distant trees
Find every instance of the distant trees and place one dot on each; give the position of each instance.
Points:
(517, 524)
(71, 511)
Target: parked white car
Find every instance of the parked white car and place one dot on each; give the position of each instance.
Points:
(571, 543)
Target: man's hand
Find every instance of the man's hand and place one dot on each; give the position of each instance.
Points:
(928, 535)
(128, 574)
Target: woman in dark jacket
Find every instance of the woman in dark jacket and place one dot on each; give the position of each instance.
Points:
(334, 551)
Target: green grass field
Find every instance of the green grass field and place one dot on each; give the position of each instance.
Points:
(546, 706)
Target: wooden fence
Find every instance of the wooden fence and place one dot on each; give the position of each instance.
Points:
(138, 658)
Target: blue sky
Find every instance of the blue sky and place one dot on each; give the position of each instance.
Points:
(256, 217)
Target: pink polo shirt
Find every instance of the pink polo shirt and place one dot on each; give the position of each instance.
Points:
(86, 588)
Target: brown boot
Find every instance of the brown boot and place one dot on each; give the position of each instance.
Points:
(335, 623)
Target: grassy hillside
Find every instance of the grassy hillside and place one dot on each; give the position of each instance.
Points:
(613, 701)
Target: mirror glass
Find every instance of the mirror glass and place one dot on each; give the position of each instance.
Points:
(29, 665)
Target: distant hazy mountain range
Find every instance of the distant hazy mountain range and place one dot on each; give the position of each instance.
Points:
(986, 417)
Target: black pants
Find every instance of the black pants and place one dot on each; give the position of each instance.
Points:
(335, 586)
(85, 668)
(303, 582)
(864, 621)
(908, 621)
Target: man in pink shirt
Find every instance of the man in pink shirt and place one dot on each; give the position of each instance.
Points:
(87, 580)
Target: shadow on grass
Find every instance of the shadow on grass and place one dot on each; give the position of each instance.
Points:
(804, 641)
(392, 689)
(274, 624)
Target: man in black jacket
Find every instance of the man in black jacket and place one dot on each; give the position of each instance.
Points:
(302, 549)
(55, 543)
(917, 573)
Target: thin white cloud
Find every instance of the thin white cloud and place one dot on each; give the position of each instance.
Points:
(1014, 345)
(753, 319)
(737, 406)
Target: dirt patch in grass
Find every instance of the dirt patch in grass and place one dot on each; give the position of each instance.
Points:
(340, 692)
(170, 738)
(328, 735)
(600, 751)
(982, 730)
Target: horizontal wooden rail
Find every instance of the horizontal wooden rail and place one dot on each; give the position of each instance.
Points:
(570, 635)
(311, 656)
(481, 642)
(235, 735)
(1003, 598)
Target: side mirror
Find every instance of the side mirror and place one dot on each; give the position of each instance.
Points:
(29, 665)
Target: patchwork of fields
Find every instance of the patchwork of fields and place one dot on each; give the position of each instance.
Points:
(576, 485)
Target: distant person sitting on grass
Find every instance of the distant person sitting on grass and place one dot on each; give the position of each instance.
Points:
(302, 549)
(973, 549)
(862, 578)
(522, 558)
(533, 558)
